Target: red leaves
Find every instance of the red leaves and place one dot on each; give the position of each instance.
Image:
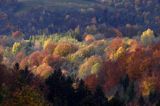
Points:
(114, 72)
(91, 82)
(17, 34)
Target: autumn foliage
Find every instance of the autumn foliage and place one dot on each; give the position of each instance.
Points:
(128, 67)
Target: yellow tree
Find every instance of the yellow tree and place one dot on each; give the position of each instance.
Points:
(148, 85)
(16, 47)
(147, 37)
(49, 46)
(44, 70)
(91, 66)
(65, 48)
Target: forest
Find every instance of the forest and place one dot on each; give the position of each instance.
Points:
(102, 53)
(52, 69)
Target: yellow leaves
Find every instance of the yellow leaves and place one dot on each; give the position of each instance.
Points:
(133, 45)
(91, 66)
(49, 46)
(120, 51)
(47, 42)
(114, 48)
(148, 85)
(147, 37)
(95, 48)
(64, 49)
(16, 47)
(95, 68)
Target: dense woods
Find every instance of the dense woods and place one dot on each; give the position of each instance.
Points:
(60, 70)
(80, 53)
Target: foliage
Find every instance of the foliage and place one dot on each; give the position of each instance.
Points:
(125, 70)
(64, 49)
(49, 46)
(148, 85)
(44, 70)
(91, 66)
(147, 37)
(16, 47)
(27, 96)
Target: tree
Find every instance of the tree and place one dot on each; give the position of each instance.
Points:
(153, 96)
(91, 82)
(81, 94)
(130, 92)
(25, 96)
(141, 101)
(64, 49)
(134, 66)
(44, 70)
(16, 47)
(49, 46)
(89, 38)
(91, 66)
(147, 37)
(125, 82)
(17, 35)
(100, 98)
(158, 104)
(115, 48)
(115, 101)
(35, 59)
(148, 85)
(59, 88)
(52, 60)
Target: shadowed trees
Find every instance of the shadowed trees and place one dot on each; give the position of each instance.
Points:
(68, 92)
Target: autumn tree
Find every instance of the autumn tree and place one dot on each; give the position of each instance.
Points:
(147, 37)
(49, 46)
(64, 49)
(91, 66)
(16, 47)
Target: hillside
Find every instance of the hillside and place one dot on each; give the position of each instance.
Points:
(34, 17)
(79, 52)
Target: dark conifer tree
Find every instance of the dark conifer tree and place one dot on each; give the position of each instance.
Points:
(141, 101)
(116, 101)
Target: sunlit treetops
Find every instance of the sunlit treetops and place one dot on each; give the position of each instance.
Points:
(91, 66)
(65, 48)
(44, 70)
(35, 59)
(16, 47)
(89, 38)
(49, 46)
(52, 60)
(94, 48)
(148, 37)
